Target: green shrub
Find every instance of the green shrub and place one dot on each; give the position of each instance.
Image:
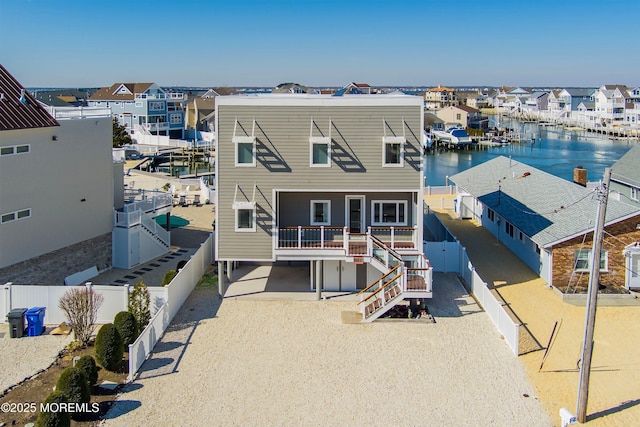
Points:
(168, 277)
(126, 325)
(139, 301)
(88, 365)
(109, 347)
(54, 419)
(75, 386)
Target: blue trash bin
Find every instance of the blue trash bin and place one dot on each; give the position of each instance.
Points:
(35, 321)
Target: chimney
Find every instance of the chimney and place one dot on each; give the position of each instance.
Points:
(580, 176)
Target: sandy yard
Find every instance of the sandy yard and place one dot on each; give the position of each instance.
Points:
(285, 362)
(614, 392)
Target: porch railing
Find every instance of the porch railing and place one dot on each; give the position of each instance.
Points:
(328, 237)
(419, 278)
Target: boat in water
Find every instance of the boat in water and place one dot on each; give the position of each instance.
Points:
(453, 135)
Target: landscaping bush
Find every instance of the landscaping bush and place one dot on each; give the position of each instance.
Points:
(87, 364)
(54, 419)
(139, 301)
(109, 347)
(126, 325)
(75, 386)
(168, 277)
(80, 306)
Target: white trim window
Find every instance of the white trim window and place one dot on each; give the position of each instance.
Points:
(14, 216)
(389, 212)
(245, 151)
(320, 152)
(175, 119)
(320, 212)
(582, 261)
(393, 151)
(634, 193)
(246, 220)
(14, 149)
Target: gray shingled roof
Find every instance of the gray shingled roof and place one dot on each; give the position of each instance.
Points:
(580, 91)
(548, 209)
(626, 169)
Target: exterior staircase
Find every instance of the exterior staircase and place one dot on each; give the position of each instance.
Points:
(397, 282)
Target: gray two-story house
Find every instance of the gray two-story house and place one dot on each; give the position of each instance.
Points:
(332, 181)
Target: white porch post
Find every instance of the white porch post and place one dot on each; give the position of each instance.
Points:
(7, 296)
(318, 267)
(229, 269)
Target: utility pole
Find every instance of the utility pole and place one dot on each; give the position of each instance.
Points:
(592, 296)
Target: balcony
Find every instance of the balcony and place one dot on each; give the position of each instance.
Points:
(338, 241)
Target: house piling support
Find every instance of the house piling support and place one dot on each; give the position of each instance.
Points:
(318, 272)
(229, 269)
(221, 278)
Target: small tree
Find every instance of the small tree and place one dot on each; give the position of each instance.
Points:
(54, 419)
(125, 323)
(168, 277)
(120, 135)
(80, 306)
(88, 365)
(139, 301)
(109, 347)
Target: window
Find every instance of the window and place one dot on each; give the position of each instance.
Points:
(492, 215)
(320, 212)
(458, 116)
(156, 106)
(392, 151)
(15, 149)
(389, 212)
(13, 216)
(138, 104)
(320, 152)
(520, 236)
(175, 119)
(245, 151)
(246, 220)
(634, 193)
(581, 260)
(508, 227)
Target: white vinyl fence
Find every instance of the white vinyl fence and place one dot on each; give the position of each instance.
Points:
(175, 295)
(452, 257)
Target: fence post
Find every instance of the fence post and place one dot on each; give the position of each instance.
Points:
(7, 296)
(127, 289)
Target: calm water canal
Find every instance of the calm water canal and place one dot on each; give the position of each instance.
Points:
(555, 151)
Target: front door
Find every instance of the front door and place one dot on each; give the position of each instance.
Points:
(354, 214)
(634, 271)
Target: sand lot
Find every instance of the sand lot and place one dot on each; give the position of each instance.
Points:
(290, 363)
(614, 392)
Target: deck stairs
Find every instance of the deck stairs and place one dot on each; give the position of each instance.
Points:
(396, 283)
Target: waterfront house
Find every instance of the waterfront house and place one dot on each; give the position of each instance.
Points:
(333, 182)
(355, 89)
(463, 115)
(535, 102)
(292, 88)
(143, 108)
(439, 97)
(610, 104)
(547, 222)
(57, 183)
(572, 97)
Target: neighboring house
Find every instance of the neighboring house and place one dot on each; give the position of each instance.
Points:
(432, 122)
(625, 177)
(479, 101)
(62, 97)
(463, 115)
(610, 104)
(200, 114)
(439, 97)
(143, 108)
(292, 88)
(335, 182)
(572, 97)
(355, 89)
(56, 181)
(535, 102)
(547, 222)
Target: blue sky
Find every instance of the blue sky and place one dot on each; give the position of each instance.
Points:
(79, 43)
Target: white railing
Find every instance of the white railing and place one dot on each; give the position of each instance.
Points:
(60, 113)
(126, 219)
(155, 229)
(171, 95)
(176, 294)
(448, 189)
(147, 201)
(328, 237)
